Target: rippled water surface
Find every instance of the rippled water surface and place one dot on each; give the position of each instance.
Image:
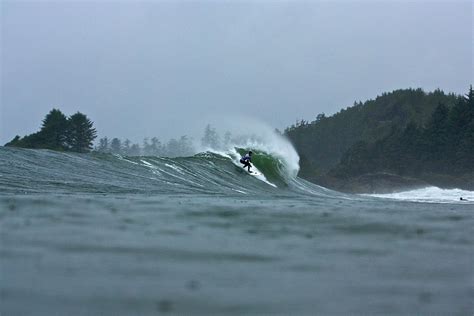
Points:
(104, 235)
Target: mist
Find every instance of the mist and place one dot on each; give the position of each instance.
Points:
(166, 69)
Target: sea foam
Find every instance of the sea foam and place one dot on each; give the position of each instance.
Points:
(431, 195)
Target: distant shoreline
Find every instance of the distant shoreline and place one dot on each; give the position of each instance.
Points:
(384, 183)
(400, 140)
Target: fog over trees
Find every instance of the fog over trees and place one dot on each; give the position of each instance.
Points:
(181, 147)
(77, 134)
(175, 147)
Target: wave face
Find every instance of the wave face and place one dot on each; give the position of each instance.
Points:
(216, 172)
(219, 172)
(98, 234)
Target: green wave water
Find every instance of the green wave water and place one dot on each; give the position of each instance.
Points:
(98, 234)
(44, 171)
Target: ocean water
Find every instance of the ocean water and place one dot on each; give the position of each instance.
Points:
(96, 234)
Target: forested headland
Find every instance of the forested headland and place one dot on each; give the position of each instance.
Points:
(58, 132)
(403, 138)
(77, 134)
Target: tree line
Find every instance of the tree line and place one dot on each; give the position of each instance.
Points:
(181, 147)
(405, 132)
(323, 142)
(77, 134)
(444, 145)
(58, 132)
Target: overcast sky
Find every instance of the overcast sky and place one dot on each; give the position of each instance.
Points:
(166, 68)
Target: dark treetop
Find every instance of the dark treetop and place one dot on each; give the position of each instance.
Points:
(58, 132)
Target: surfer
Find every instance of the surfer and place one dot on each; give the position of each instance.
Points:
(462, 199)
(246, 160)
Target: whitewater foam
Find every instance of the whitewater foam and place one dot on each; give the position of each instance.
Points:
(431, 195)
(259, 137)
(176, 168)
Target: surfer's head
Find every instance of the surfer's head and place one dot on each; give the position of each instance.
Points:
(250, 153)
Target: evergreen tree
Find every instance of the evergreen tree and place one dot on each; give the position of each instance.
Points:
(465, 152)
(408, 150)
(54, 130)
(103, 145)
(437, 133)
(321, 117)
(470, 99)
(155, 147)
(116, 146)
(147, 149)
(459, 119)
(172, 148)
(135, 150)
(185, 147)
(80, 133)
(126, 147)
(15, 142)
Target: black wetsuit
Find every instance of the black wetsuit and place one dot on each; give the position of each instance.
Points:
(246, 161)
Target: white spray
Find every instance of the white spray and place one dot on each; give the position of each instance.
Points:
(252, 134)
(432, 195)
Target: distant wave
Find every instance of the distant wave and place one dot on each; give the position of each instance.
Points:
(431, 195)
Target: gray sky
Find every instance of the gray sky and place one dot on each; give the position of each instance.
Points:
(166, 68)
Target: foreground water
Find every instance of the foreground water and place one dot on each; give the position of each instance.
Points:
(98, 234)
